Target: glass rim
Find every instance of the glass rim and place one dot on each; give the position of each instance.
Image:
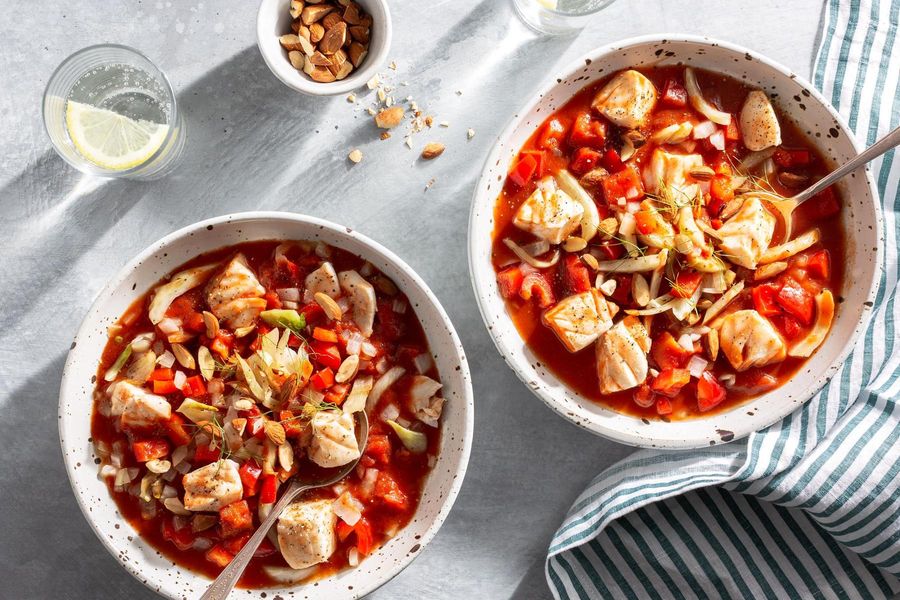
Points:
(583, 13)
(166, 84)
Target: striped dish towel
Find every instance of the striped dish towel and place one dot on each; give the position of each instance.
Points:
(810, 507)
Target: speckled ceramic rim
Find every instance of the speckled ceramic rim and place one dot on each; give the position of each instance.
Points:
(862, 219)
(121, 540)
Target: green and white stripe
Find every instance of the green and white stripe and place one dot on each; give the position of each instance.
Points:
(809, 507)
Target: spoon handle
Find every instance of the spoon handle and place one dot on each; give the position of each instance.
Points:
(874, 151)
(222, 586)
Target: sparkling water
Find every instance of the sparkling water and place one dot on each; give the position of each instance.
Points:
(123, 89)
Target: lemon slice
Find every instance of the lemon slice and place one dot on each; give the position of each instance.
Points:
(109, 140)
(551, 4)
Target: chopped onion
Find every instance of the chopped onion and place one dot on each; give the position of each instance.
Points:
(287, 575)
(728, 379)
(700, 103)
(322, 250)
(717, 140)
(527, 258)
(202, 544)
(367, 269)
(383, 383)
(697, 365)
(347, 508)
(704, 130)
(423, 363)
(289, 294)
(354, 343)
(288, 305)
(628, 225)
(353, 557)
(685, 341)
(108, 471)
(180, 379)
(537, 248)
(166, 359)
(142, 341)
(356, 399)
(367, 485)
(390, 412)
(590, 219)
(169, 326)
(400, 306)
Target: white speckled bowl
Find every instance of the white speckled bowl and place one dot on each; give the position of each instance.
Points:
(800, 102)
(273, 21)
(136, 278)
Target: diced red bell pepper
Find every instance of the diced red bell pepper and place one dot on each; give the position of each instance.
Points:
(791, 157)
(823, 205)
(194, 386)
(176, 431)
(674, 94)
(323, 379)
(576, 276)
(312, 312)
(686, 283)
(588, 132)
(364, 539)
(643, 396)
(387, 488)
(193, 321)
(510, 281)
(720, 190)
(541, 160)
(795, 300)
(536, 285)
(343, 530)
(163, 387)
(223, 343)
(667, 353)
(788, 325)
(523, 171)
(625, 185)
(273, 302)
(292, 425)
(663, 406)
(622, 294)
(267, 493)
(710, 392)
(183, 538)
(219, 556)
(584, 160)
(325, 335)
(670, 381)
(733, 130)
(235, 518)
(206, 454)
(646, 221)
(256, 426)
(162, 374)
(379, 448)
(552, 135)
(764, 300)
(326, 354)
(250, 473)
(338, 393)
(611, 161)
(819, 265)
(149, 449)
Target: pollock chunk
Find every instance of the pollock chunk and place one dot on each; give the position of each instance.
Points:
(211, 487)
(667, 175)
(626, 100)
(235, 295)
(362, 300)
(424, 401)
(136, 407)
(759, 123)
(549, 213)
(306, 533)
(749, 340)
(747, 234)
(580, 319)
(622, 356)
(333, 439)
(324, 280)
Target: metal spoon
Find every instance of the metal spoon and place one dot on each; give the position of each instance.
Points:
(786, 206)
(222, 586)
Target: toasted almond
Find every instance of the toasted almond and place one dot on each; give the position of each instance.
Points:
(315, 13)
(365, 21)
(319, 59)
(331, 19)
(355, 155)
(296, 24)
(244, 331)
(574, 244)
(359, 33)
(357, 53)
(206, 363)
(212, 324)
(348, 369)
(389, 117)
(432, 150)
(769, 270)
(608, 226)
(385, 285)
(297, 59)
(180, 337)
(286, 456)
(712, 344)
(296, 8)
(306, 46)
(304, 32)
(344, 70)
(702, 173)
(290, 42)
(640, 289)
(210, 429)
(183, 356)
(322, 75)
(275, 432)
(243, 404)
(334, 38)
(351, 14)
(316, 32)
(385, 135)
(175, 506)
(308, 69)
(331, 308)
(590, 261)
(158, 466)
(239, 425)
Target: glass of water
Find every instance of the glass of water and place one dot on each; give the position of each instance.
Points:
(558, 16)
(109, 111)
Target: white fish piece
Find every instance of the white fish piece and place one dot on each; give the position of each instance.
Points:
(362, 300)
(138, 407)
(333, 439)
(670, 171)
(235, 294)
(424, 401)
(749, 340)
(306, 533)
(759, 123)
(211, 487)
(580, 319)
(549, 213)
(325, 280)
(627, 99)
(622, 356)
(660, 234)
(747, 234)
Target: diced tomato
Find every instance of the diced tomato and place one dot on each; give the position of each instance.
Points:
(256, 426)
(791, 157)
(588, 132)
(326, 354)
(206, 454)
(267, 493)
(194, 386)
(576, 276)
(343, 530)
(390, 325)
(323, 379)
(510, 281)
(325, 335)
(732, 130)
(667, 353)
(183, 538)
(389, 491)
(663, 406)
(272, 300)
(584, 160)
(611, 161)
(149, 449)
(163, 387)
(536, 285)
(622, 294)
(292, 425)
(612, 249)
(235, 518)
(674, 94)
(670, 381)
(541, 160)
(710, 392)
(819, 265)
(794, 299)
(624, 185)
(176, 431)
(312, 312)
(364, 539)
(523, 171)
(338, 393)
(686, 283)
(643, 396)
(379, 448)
(788, 325)
(162, 374)
(219, 556)
(250, 473)
(552, 135)
(823, 205)
(265, 548)
(223, 343)
(764, 300)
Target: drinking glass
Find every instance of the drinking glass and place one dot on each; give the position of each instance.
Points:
(557, 17)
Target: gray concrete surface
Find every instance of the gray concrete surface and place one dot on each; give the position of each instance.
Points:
(252, 143)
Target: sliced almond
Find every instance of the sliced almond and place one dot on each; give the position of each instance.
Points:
(183, 356)
(212, 324)
(608, 227)
(359, 33)
(206, 362)
(338, 60)
(591, 261)
(348, 369)
(432, 150)
(357, 53)
(322, 75)
(297, 59)
(158, 466)
(334, 38)
(351, 14)
(290, 42)
(243, 404)
(315, 13)
(286, 456)
(331, 19)
(319, 59)
(296, 8)
(275, 432)
(210, 429)
(640, 289)
(306, 46)
(355, 155)
(316, 31)
(712, 344)
(329, 306)
(180, 337)
(702, 173)
(239, 425)
(574, 244)
(389, 117)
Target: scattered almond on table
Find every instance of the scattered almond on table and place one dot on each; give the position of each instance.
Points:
(330, 38)
(432, 150)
